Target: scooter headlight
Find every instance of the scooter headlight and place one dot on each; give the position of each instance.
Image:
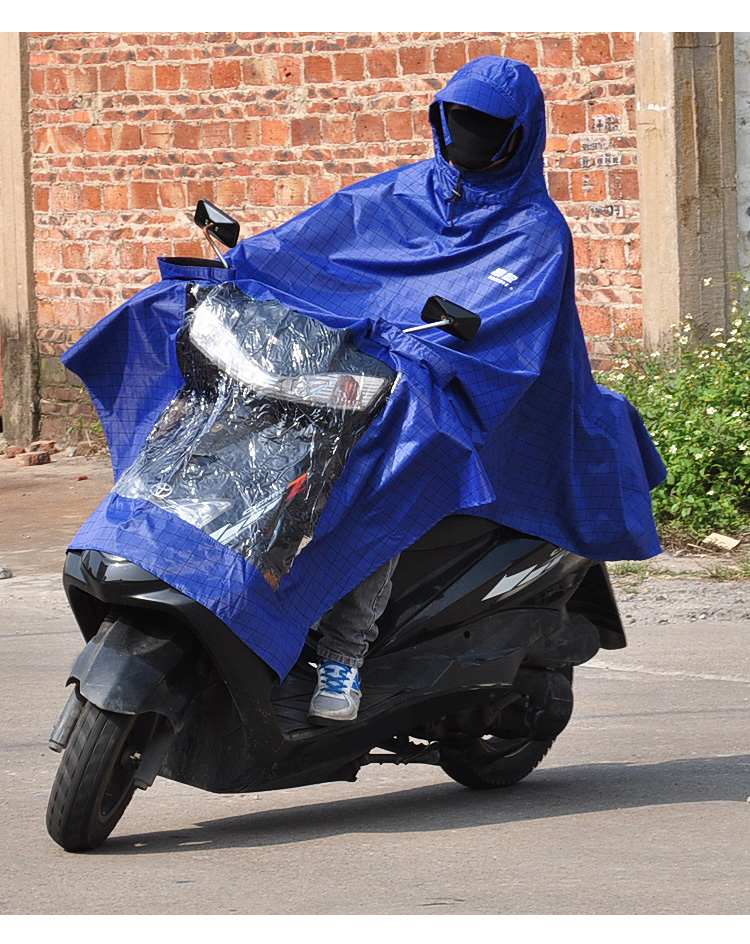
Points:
(338, 391)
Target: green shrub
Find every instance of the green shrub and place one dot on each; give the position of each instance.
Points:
(695, 402)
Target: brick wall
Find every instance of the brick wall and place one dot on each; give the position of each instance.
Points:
(129, 130)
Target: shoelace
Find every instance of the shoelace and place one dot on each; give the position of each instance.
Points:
(336, 677)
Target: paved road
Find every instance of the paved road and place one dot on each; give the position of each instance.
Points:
(640, 808)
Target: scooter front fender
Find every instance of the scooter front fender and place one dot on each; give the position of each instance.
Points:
(137, 664)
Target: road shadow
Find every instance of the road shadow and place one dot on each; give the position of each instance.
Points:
(561, 791)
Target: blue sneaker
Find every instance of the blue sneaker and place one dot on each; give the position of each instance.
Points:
(337, 694)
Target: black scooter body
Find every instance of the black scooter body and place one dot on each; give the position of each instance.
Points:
(483, 627)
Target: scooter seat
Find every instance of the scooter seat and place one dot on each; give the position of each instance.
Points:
(456, 529)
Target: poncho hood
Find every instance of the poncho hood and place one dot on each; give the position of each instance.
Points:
(505, 89)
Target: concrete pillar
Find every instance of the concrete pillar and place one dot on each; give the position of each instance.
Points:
(688, 183)
(18, 345)
(742, 107)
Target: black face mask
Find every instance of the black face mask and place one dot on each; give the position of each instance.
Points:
(477, 138)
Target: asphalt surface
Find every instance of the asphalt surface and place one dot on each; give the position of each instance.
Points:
(642, 806)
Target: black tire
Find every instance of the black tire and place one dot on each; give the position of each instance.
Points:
(95, 780)
(484, 763)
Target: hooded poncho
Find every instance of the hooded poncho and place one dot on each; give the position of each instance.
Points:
(510, 426)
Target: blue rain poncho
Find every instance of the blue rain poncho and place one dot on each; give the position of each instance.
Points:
(510, 426)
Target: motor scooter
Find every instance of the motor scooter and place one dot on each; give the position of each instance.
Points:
(473, 665)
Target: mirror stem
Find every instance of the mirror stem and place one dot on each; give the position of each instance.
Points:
(209, 237)
(442, 324)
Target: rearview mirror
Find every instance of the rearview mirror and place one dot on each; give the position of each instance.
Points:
(218, 223)
(455, 320)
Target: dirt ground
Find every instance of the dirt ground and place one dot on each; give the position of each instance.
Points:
(42, 507)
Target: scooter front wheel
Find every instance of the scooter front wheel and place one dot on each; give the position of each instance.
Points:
(483, 763)
(96, 776)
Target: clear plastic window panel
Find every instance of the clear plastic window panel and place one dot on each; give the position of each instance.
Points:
(251, 446)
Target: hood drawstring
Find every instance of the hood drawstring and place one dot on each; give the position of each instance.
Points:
(456, 194)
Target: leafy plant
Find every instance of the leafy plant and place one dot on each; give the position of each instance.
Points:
(695, 402)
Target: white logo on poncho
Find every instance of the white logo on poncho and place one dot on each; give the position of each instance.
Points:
(503, 277)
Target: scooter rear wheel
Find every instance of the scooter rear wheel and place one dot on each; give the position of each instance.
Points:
(484, 763)
(95, 779)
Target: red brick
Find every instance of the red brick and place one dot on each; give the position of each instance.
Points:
(261, 192)
(168, 77)
(274, 131)
(568, 119)
(173, 194)
(318, 69)
(589, 185)
(115, 196)
(140, 78)
(216, 134)
(246, 133)
(556, 51)
(112, 78)
(157, 135)
(450, 58)
(559, 185)
(349, 66)
(187, 135)
(197, 76)
(369, 128)
(485, 47)
(338, 129)
(231, 193)
(524, 50)
(74, 256)
(305, 131)
(90, 198)
(144, 195)
(44, 445)
(291, 191)
(289, 71)
(593, 49)
(415, 60)
(33, 458)
(98, 139)
(132, 255)
(70, 139)
(321, 188)
(126, 137)
(382, 63)
(623, 184)
(57, 81)
(227, 73)
(623, 46)
(399, 126)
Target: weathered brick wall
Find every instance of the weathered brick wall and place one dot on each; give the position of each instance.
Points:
(130, 130)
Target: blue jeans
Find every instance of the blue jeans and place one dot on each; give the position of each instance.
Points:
(350, 625)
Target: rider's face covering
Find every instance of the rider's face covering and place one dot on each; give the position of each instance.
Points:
(476, 137)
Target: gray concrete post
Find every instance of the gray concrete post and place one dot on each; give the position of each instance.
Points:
(18, 343)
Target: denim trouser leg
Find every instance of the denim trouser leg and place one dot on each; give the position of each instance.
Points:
(349, 626)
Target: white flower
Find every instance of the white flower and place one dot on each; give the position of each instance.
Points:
(710, 491)
(673, 450)
(707, 281)
(711, 410)
(737, 413)
(699, 455)
(743, 447)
